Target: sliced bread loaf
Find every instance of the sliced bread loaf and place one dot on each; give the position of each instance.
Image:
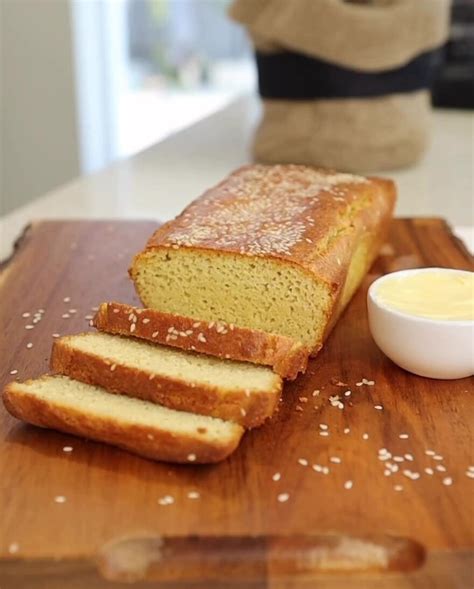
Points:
(216, 338)
(279, 249)
(143, 428)
(236, 391)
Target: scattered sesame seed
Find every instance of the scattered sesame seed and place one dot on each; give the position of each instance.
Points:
(276, 477)
(325, 470)
(67, 299)
(398, 458)
(471, 468)
(68, 448)
(191, 457)
(193, 495)
(243, 412)
(132, 327)
(298, 408)
(365, 436)
(348, 485)
(347, 393)
(430, 452)
(429, 470)
(387, 472)
(89, 317)
(323, 426)
(303, 399)
(470, 474)
(146, 320)
(283, 497)
(13, 372)
(409, 457)
(317, 468)
(403, 436)
(113, 367)
(447, 481)
(437, 457)
(378, 407)
(154, 334)
(324, 433)
(56, 335)
(346, 430)
(335, 459)
(398, 487)
(65, 316)
(13, 548)
(29, 326)
(60, 499)
(315, 393)
(25, 315)
(116, 311)
(29, 345)
(440, 468)
(72, 311)
(201, 338)
(150, 436)
(166, 500)
(303, 461)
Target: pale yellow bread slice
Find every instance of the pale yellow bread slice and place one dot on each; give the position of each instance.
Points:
(186, 381)
(286, 356)
(146, 429)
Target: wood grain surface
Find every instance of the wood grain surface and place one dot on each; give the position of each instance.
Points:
(91, 517)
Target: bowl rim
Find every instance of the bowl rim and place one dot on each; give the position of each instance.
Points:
(372, 297)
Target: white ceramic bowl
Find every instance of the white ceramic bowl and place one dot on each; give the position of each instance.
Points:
(435, 348)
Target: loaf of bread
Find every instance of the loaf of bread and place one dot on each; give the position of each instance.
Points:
(216, 338)
(143, 428)
(280, 249)
(185, 381)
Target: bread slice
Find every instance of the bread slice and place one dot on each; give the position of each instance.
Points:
(143, 428)
(286, 356)
(280, 249)
(236, 391)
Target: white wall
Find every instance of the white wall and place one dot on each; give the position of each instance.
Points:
(39, 139)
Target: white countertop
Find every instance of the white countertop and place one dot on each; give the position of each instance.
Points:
(158, 182)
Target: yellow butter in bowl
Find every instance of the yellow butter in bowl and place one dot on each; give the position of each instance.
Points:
(423, 320)
(433, 294)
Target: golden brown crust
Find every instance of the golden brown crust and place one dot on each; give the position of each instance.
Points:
(248, 409)
(286, 356)
(299, 215)
(150, 442)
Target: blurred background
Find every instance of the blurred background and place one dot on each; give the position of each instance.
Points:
(86, 82)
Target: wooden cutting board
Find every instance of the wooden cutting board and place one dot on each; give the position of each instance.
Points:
(74, 519)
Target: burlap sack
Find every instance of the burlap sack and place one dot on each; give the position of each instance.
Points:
(387, 129)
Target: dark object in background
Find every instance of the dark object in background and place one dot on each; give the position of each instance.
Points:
(454, 86)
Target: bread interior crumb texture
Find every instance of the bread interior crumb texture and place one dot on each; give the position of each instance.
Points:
(260, 294)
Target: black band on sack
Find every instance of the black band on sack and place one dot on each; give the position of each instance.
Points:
(294, 76)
